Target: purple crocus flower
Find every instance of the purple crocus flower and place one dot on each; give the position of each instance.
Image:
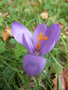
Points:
(42, 42)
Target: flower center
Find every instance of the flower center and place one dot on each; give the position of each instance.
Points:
(40, 38)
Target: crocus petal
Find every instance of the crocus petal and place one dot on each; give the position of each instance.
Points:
(18, 30)
(33, 65)
(41, 28)
(28, 43)
(47, 49)
(53, 34)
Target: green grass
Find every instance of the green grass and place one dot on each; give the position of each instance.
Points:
(12, 75)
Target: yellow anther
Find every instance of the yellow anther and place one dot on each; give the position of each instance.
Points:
(45, 38)
(38, 46)
(40, 38)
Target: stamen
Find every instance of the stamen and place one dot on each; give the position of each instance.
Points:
(45, 38)
(38, 46)
(40, 38)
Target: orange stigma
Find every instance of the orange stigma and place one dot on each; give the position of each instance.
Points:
(40, 38)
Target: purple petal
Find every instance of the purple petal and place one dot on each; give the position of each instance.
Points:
(18, 30)
(28, 43)
(41, 28)
(53, 34)
(47, 49)
(33, 65)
